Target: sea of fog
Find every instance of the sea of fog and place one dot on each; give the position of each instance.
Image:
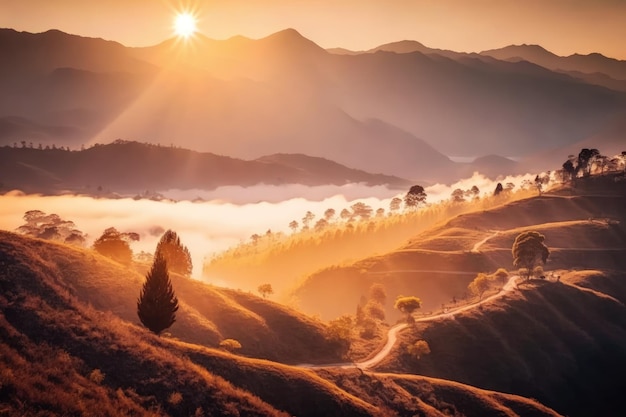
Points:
(228, 215)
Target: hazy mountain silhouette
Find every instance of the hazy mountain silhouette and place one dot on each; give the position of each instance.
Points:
(588, 64)
(132, 167)
(378, 111)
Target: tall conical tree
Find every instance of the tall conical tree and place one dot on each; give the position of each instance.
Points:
(157, 303)
(175, 253)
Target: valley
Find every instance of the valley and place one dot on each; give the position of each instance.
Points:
(58, 298)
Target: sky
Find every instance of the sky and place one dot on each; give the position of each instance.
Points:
(561, 26)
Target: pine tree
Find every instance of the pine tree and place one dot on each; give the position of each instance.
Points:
(157, 303)
(175, 253)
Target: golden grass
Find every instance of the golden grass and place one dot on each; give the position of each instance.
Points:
(560, 343)
(282, 261)
(574, 241)
(207, 313)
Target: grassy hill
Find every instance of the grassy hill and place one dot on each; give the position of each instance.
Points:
(585, 227)
(207, 314)
(563, 343)
(62, 355)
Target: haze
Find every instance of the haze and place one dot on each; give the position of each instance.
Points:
(208, 227)
(562, 26)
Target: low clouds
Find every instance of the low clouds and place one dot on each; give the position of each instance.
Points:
(232, 215)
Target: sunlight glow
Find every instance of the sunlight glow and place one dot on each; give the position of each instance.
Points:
(185, 24)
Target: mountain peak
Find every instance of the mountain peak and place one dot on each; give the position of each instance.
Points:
(291, 38)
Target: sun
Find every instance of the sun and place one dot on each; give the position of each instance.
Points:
(185, 24)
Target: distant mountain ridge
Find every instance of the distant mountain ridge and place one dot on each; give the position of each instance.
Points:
(397, 110)
(132, 167)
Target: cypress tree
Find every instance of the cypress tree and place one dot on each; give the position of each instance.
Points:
(157, 303)
(175, 253)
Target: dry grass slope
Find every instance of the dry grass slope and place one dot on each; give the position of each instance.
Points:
(207, 314)
(563, 343)
(60, 356)
(584, 228)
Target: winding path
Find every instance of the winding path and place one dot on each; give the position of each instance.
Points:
(392, 333)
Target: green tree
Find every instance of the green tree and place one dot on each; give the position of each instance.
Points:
(418, 349)
(479, 285)
(528, 250)
(175, 253)
(407, 305)
(157, 303)
(265, 290)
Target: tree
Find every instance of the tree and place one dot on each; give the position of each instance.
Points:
(378, 293)
(415, 197)
(175, 253)
(320, 225)
(394, 204)
(498, 189)
(474, 192)
(585, 159)
(407, 305)
(115, 245)
(479, 285)
(375, 310)
(501, 275)
(458, 196)
(157, 303)
(362, 210)
(293, 225)
(230, 345)
(265, 290)
(528, 250)
(418, 349)
(329, 214)
(51, 227)
(339, 332)
(380, 212)
(569, 170)
(345, 214)
(308, 218)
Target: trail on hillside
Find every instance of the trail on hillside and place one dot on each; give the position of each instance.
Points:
(477, 246)
(392, 333)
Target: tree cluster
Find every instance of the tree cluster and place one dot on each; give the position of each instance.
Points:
(51, 227)
(115, 245)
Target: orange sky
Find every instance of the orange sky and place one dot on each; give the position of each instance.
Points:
(562, 26)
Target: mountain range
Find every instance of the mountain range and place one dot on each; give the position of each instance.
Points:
(125, 167)
(400, 109)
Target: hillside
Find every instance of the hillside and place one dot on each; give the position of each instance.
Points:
(132, 167)
(562, 343)
(381, 112)
(584, 228)
(63, 356)
(207, 314)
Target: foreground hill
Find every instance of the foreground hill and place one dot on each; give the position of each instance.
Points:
(132, 167)
(207, 314)
(563, 343)
(61, 356)
(584, 228)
